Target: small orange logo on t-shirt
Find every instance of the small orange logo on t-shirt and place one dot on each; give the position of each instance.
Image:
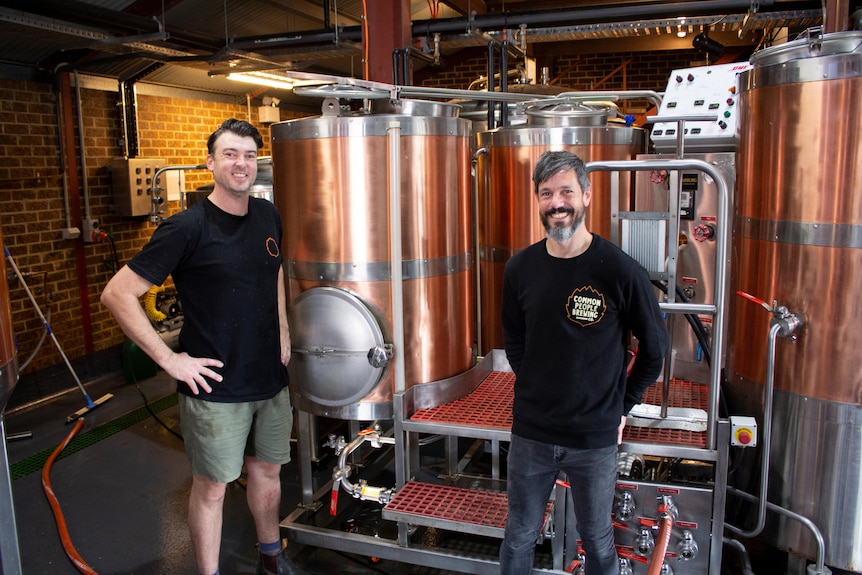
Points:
(272, 247)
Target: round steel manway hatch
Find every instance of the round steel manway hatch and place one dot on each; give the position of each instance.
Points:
(332, 332)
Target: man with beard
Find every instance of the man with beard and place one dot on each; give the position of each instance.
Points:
(225, 259)
(570, 302)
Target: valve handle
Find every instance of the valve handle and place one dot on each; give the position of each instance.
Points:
(333, 500)
(755, 299)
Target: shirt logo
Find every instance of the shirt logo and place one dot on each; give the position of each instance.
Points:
(272, 247)
(585, 306)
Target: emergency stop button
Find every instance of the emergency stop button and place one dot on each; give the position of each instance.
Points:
(743, 431)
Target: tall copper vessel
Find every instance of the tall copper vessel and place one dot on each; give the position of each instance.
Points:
(332, 186)
(9, 551)
(8, 368)
(798, 241)
(508, 219)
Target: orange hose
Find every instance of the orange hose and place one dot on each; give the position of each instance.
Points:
(661, 544)
(76, 559)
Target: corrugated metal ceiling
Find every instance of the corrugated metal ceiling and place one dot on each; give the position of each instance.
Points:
(118, 38)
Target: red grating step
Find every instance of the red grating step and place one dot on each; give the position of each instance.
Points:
(490, 405)
(682, 394)
(453, 508)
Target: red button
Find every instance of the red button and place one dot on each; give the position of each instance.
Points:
(744, 436)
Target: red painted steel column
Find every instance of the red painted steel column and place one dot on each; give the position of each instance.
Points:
(388, 28)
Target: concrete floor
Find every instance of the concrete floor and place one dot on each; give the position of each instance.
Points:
(124, 495)
(123, 488)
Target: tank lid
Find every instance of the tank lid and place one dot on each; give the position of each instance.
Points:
(415, 108)
(344, 91)
(478, 109)
(812, 46)
(568, 112)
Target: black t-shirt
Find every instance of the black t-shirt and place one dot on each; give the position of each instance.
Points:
(565, 324)
(225, 269)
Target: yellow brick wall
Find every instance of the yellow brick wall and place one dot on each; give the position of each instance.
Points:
(33, 212)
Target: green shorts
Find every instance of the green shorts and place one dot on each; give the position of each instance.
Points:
(218, 435)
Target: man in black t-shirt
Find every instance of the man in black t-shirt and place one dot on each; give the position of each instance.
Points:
(569, 304)
(225, 259)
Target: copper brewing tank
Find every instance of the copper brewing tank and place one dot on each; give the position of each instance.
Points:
(8, 367)
(331, 185)
(797, 241)
(11, 555)
(508, 218)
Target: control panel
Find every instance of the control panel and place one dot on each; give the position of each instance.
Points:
(710, 91)
(132, 182)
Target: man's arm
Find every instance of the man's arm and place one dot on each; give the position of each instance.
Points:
(512, 317)
(283, 328)
(122, 297)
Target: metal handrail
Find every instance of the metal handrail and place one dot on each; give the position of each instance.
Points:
(716, 310)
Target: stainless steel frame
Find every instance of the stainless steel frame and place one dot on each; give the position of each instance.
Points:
(710, 503)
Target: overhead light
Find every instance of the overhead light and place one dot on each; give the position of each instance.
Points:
(263, 79)
(680, 31)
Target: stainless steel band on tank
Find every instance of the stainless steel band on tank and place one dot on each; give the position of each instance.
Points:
(377, 271)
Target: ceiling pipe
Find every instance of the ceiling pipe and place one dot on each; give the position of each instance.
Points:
(555, 18)
(570, 16)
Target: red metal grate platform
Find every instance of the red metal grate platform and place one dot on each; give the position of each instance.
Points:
(681, 394)
(455, 508)
(459, 504)
(490, 405)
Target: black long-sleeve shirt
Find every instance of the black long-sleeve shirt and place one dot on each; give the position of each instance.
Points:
(566, 323)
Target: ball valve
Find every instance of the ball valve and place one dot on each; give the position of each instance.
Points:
(686, 549)
(625, 510)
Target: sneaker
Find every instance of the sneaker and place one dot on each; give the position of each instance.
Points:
(285, 565)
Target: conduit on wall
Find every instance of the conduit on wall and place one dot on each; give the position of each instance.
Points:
(70, 168)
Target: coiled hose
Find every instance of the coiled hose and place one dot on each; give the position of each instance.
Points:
(150, 304)
(71, 552)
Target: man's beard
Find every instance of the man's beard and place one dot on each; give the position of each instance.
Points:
(562, 234)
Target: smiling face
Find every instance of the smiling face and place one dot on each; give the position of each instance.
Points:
(562, 205)
(233, 163)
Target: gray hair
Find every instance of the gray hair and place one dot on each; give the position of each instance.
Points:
(552, 163)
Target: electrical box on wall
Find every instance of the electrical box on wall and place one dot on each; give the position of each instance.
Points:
(132, 183)
(268, 114)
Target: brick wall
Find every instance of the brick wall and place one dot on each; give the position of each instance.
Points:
(32, 211)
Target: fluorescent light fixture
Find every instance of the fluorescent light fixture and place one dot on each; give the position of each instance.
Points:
(264, 79)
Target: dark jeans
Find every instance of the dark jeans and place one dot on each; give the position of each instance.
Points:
(532, 471)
